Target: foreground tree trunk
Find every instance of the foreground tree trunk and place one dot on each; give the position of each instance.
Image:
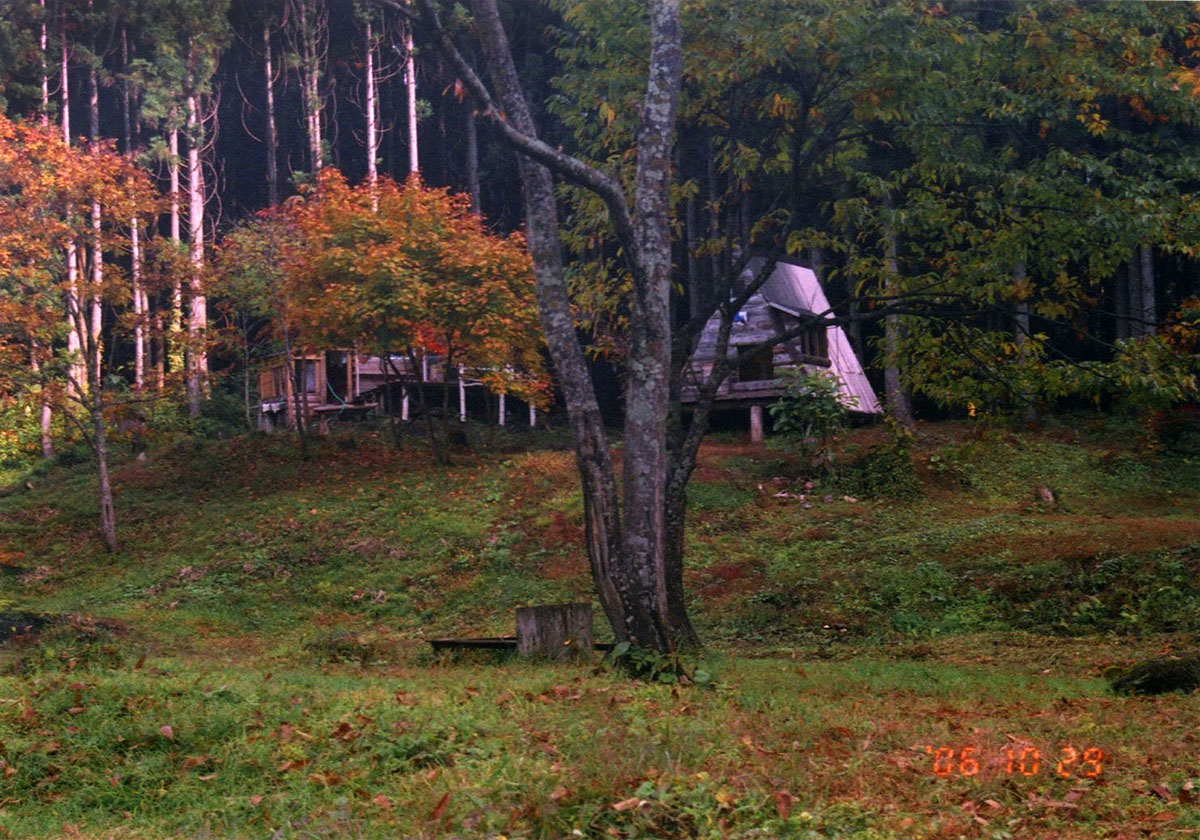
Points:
(627, 557)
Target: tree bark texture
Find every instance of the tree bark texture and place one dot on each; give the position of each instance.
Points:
(197, 303)
(1021, 328)
(272, 138)
(897, 398)
(372, 108)
(1136, 327)
(1149, 313)
(473, 162)
(410, 86)
(626, 542)
(175, 323)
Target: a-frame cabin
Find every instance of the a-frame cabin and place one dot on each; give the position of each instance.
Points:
(791, 293)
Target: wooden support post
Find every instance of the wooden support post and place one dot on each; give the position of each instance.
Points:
(500, 410)
(404, 404)
(557, 632)
(756, 424)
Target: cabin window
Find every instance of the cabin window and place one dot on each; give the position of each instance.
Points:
(306, 376)
(757, 368)
(814, 342)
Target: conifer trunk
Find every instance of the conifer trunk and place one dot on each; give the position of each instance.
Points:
(1022, 330)
(1134, 280)
(473, 162)
(897, 398)
(1149, 313)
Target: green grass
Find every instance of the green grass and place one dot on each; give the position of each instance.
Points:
(272, 612)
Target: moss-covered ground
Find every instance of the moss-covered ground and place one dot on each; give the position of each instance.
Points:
(253, 662)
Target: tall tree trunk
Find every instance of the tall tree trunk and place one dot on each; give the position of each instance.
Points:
(602, 525)
(473, 161)
(1134, 280)
(649, 372)
(44, 116)
(272, 139)
(309, 29)
(46, 414)
(1149, 313)
(372, 114)
(44, 398)
(410, 85)
(159, 342)
(1121, 305)
(691, 222)
(197, 303)
(77, 370)
(1022, 330)
(897, 398)
(628, 558)
(139, 306)
(108, 519)
(97, 310)
(174, 335)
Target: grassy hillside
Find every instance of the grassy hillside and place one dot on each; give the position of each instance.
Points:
(252, 663)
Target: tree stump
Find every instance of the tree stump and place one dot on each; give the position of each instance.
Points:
(556, 632)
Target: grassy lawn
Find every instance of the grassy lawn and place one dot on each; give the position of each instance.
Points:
(895, 656)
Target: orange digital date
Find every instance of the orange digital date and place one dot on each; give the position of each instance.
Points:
(1025, 761)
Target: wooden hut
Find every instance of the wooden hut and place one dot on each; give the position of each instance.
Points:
(791, 293)
(328, 382)
(346, 384)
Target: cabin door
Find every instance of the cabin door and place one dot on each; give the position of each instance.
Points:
(337, 375)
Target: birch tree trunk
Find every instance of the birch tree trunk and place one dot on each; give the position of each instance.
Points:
(44, 397)
(372, 110)
(174, 335)
(96, 307)
(309, 29)
(410, 85)
(76, 370)
(44, 116)
(139, 306)
(272, 139)
(46, 418)
(197, 303)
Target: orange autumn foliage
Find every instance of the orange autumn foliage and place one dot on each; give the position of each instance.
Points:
(402, 267)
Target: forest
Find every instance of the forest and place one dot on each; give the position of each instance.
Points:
(214, 211)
